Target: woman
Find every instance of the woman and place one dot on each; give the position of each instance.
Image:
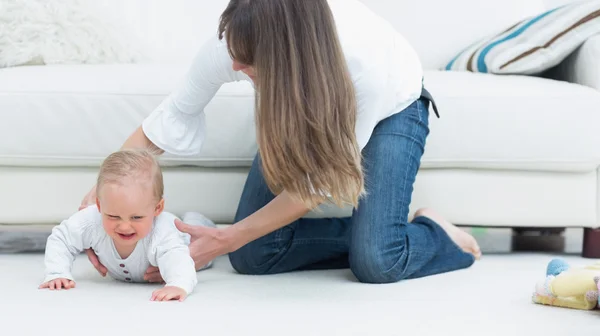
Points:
(340, 116)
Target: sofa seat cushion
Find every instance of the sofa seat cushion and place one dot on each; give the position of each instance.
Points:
(512, 122)
(75, 115)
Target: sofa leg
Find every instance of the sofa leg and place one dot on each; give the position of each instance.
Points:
(591, 243)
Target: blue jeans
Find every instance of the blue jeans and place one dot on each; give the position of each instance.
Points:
(377, 242)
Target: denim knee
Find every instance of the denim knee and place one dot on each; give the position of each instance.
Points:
(244, 262)
(261, 256)
(375, 266)
(239, 264)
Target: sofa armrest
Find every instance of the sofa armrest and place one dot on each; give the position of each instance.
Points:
(583, 65)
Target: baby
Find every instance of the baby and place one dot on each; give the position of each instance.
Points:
(127, 229)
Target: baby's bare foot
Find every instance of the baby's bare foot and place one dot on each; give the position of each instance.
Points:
(464, 240)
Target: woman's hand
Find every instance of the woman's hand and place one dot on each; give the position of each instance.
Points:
(96, 262)
(209, 243)
(205, 245)
(89, 199)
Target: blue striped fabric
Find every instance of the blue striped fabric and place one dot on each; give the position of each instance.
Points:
(449, 66)
(533, 45)
(481, 66)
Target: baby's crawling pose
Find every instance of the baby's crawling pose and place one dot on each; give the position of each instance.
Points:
(127, 229)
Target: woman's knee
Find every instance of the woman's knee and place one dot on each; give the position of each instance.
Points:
(242, 263)
(261, 256)
(248, 261)
(377, 265)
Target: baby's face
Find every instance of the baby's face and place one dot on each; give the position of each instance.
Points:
(128, 211)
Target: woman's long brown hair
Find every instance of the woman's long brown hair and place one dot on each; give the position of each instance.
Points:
(305, 99)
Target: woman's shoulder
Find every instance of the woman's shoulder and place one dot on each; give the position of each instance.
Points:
(370, 42)
(213, 62)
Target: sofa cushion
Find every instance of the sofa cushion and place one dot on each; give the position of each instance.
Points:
(76, 115)
(533, 45)
(512, 122)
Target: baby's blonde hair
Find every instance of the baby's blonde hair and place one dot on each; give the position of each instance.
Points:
(139, 165)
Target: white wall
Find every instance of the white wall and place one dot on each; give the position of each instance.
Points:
(555, 3)
(174, 30)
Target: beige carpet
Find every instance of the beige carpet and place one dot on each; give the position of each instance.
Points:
(491, 298)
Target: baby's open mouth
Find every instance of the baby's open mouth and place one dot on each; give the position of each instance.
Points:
(126, 236)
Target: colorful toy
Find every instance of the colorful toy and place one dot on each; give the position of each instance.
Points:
(576, 288)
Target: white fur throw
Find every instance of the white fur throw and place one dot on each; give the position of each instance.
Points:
(62, 32)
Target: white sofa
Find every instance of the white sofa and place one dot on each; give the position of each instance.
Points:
(507, 152)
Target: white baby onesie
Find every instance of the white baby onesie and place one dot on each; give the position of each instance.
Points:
(165, 247)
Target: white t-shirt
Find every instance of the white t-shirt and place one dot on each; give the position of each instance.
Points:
(164, 247)
(385, 69)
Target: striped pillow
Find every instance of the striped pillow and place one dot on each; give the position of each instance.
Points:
(532, 45)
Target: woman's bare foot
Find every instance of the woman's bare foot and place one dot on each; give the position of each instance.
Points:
(464, 240)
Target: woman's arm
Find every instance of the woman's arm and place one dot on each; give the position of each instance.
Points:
(209, 243)
(281, 211)
(138, 139)
(177, 124)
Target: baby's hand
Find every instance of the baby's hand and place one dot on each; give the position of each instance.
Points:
(168, 293)
(58, 284)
